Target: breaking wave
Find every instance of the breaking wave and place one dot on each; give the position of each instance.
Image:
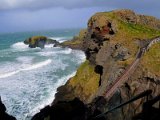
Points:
(31, 67)
(19, 45)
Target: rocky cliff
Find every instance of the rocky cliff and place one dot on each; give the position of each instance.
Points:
(111, 43)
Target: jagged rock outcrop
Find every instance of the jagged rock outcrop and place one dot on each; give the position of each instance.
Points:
(39, 41)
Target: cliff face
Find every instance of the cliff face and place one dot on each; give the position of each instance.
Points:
(115, 38)
(111, 43)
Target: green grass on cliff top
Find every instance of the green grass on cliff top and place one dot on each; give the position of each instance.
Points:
(128, 34)
(36, 38)
(85, 82)
(151, 59)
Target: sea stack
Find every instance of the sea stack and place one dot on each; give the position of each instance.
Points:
(39, 41)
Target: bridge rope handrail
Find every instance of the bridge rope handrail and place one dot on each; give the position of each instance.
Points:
(143, 94)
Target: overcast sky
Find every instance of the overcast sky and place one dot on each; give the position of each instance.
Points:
(29, 15)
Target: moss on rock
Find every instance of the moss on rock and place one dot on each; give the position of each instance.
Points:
(85, 82)
(83, 85)
(34, 39)
(40, 41)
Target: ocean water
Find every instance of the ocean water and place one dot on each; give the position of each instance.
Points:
(29, 77)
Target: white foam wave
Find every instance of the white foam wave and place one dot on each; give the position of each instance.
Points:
(25, 59)
(4, 75)
(50, 99)
(49, 46)
(30, 67)
(58, 38)
(49, 53)
(52, 53)
(61, 39)
(38, 65)
(19, 45)
(67, 51)
(81, 56)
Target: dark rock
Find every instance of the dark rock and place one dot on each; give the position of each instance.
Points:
(3, 114)
(40, 41)
(149, 112)
(72, 110)
(2, 107)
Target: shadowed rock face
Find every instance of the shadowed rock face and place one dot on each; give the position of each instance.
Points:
(3, 114)
(73, 110)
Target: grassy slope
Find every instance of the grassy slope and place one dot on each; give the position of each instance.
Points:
(85, 82)
(151, 58)
(129, 32)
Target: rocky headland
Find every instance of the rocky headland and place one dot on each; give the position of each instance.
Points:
(111, 44)
(121, 61)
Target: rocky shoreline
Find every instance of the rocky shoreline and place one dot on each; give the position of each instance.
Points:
(110, 43)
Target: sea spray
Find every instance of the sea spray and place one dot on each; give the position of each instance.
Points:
(30, 77)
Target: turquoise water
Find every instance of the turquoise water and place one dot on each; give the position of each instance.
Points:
(29, 77)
